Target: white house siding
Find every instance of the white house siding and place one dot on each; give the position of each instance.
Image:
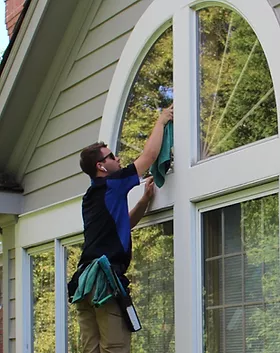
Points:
(12, 301)
(74, 115)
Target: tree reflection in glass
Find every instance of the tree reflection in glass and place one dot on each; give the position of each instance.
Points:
(237, 102)
(152, 281)
(151, 91)
(242, 277)
(74, 341)
(43, 279)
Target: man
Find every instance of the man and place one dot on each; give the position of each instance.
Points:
(107, 224)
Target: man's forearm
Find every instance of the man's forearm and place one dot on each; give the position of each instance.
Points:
(153, 144)
(138, 211)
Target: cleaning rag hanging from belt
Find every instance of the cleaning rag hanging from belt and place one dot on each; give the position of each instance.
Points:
(96, 275)
(100, 275)
(163, 162)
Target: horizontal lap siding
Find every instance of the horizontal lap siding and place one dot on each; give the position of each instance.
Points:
(12, 302)
(53, 173)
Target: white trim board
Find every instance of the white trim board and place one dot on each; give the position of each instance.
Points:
(10, 203)
(64, 219)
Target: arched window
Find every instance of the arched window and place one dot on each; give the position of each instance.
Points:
(236, 104)
(151, 91)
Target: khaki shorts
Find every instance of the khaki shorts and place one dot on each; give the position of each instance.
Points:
(103, 330)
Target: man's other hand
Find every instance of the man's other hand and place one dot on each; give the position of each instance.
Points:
(149, 189)
(166, 115)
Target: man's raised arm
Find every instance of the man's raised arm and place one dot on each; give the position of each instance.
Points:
(153, 145)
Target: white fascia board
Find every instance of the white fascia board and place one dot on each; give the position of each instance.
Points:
(10, 203)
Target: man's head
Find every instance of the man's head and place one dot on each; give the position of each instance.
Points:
(97, 160)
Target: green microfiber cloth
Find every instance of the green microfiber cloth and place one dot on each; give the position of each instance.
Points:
(162, 164)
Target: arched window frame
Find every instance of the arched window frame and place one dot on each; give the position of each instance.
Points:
(193, 182)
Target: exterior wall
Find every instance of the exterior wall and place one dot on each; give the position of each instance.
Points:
(13, 10)
(73, 116)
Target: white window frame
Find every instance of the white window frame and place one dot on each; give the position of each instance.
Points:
(192, 182)
(27, 296)
(209, 205)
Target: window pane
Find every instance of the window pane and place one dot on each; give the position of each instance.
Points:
(253, 281)
(214, 283)
(43, 272)
(213, 337)
(244, 285)
(254, 325)
(74, 342)
(151, 275)
(1, 309)
(233, 280)
(234, 328)
(151, 91)
(237, 102)
(232, 229)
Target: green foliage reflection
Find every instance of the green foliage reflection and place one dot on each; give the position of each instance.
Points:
(151, 274)
(237, 102)
(74, 342)
(43, 302)
(242, 277)
(152, 89)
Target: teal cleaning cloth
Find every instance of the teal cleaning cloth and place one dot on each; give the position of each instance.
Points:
(93, 275)
(162, 164)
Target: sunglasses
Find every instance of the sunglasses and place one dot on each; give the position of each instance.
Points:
(110, 155)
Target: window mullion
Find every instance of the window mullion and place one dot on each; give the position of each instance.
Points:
(60, 298)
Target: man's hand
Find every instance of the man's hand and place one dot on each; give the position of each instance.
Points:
(138, 211)
(153, 145)
(149, 189)
(166, 115)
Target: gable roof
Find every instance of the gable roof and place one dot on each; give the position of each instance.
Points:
(27, 62)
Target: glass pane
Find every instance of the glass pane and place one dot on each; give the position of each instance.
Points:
(233, 280)
(212, 227)
(1, 309)
(151, 91)
(253, 282)
(232, 229)
(214, 284)
(237, 102)
(74, 342)
(43, 280)
(254, 316)
(234, 330)
(271, 332)
(249, 280)
(261, 241)
(214, 336)
(151, 274)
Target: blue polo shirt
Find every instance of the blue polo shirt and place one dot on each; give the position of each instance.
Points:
(106, 218)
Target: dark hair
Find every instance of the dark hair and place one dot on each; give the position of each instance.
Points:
(90, 156)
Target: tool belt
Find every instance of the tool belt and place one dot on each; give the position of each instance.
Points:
(103, 276)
